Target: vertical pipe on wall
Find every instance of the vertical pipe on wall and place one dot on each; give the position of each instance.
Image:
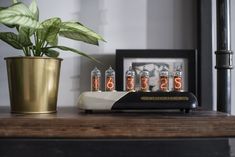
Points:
(205, 49)
(223, 56)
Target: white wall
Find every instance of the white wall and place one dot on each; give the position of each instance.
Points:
(128, 24)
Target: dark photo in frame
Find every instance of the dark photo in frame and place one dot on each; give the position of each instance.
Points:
(154, 60)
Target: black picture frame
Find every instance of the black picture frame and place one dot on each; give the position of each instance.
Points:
(189, 55)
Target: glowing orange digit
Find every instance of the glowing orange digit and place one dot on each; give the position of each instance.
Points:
(109, 84)
(164, 83)
(177, 83)
(144, 83)
(95, 83)
(130, 83)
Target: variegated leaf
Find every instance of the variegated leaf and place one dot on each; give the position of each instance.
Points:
(77, 27)
(64, 48)
(51, 53)
(50, 30)
(14, 40)
(18, 14)
(14, 1)
(78, 36)
(34, 9)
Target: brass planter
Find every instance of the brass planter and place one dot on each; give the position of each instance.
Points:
(33, 84)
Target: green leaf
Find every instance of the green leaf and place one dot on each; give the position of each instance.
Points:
(14, 1)
(14, 40)
(50, 30)
(1, 8)
(78, 36)
(77, 27)
(11, 26)
(64, 48)
(34, 9)
(25, 33)
(18, 14)
(55, 42)
(26, 30)
(75, 35)
(51, 53)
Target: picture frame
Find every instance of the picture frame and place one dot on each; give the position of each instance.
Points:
(154, 60)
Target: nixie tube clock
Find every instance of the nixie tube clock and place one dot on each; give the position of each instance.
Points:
(144, 80)
(164, 80)
(95, 80)
(110, 80)
(130, 80)
(177, 80)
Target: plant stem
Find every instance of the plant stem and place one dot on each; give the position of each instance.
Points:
(29, 52)
(37, 44)
(44, 46)
(35, 39)
(33, 50)
(24, 51)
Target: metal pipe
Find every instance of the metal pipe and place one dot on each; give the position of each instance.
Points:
(223, 56)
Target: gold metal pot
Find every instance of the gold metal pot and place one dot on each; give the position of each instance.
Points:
(33, 84)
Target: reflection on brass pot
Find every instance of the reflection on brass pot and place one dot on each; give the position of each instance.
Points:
(33, 84)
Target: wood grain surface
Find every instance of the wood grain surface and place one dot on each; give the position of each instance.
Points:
(68, 122)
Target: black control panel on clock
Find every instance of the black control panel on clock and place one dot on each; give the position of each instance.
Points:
(140, 101)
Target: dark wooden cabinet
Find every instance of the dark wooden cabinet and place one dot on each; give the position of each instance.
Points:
(74, 133)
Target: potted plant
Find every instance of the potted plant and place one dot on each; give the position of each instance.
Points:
(33, 78)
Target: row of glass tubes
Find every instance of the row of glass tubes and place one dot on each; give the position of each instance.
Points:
(96, 80)
(130, 82)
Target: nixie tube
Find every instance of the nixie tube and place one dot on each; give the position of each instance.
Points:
(177, 81)
(95, 80)
(130, 80)
(144, 80)
(110, 80)
(164, 80)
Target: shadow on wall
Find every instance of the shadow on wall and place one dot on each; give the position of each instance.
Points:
(124, 26)
(171, 24)
(75, 76)
(93, 20)
(75, 71)
(87, 66)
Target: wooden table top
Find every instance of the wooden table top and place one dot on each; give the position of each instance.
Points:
(68, 122)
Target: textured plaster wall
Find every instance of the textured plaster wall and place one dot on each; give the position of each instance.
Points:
(131, 24)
